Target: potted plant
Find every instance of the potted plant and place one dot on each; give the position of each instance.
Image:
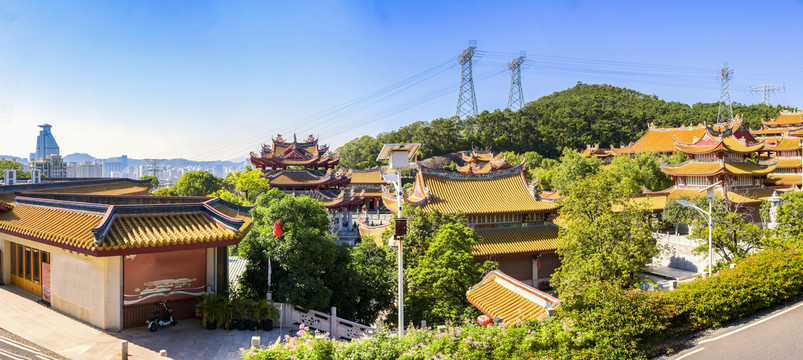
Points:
(221, 311)
(206, 306)
(268, 314)
(253, 314)
(239, 312)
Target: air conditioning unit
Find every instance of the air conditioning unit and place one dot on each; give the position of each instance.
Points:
(11, 177)
(36, 176)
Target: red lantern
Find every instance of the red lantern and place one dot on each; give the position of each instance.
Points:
(484, 320)
(277, 229)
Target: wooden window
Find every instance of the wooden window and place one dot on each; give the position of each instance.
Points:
(27, 263)
(20, 261)
(36, 266)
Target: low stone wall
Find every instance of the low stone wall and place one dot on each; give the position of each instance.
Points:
(678, 252)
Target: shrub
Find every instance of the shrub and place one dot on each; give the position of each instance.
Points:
(759, 281)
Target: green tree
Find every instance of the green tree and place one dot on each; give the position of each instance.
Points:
(197, 183)
(154, 182)
(13, 165)
(733, 237)
(247, 184)
(360, 153)
(165, 191)
(789, 233)
(643, 170)
(572, 168)
(376, 268)
(608, 237)
(678, 214)
(443, 275)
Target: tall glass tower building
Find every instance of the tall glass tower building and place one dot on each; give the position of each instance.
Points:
(45, 143)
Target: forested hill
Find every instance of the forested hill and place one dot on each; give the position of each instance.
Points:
(585, 114)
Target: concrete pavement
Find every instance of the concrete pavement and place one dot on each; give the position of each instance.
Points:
(772, 335)
(73, 339)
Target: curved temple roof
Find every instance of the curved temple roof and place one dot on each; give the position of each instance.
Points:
(499, 192)
(715, 167)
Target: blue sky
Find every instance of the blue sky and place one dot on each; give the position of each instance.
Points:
(212, 80)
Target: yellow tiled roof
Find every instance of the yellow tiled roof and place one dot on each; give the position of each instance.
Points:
(788, 163)
(499, 295)
(751, 196)
(784, 179)
(370, 176)
(785, 143)
(701, 168)
(70, 228)
(769, 131)
(709, 143)
(506, 194)
(288, 178)
(785, 119)
(516, 240)
(121, 188)
(663, 139)
(98, 228)
(373, 232)
(161, 230)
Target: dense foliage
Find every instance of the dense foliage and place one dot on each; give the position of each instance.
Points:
(13, 165)
(789, 232)
(197, 183)
(573, 118)
(597, 321)
(760, 281)
(733, 236)
(607, 237)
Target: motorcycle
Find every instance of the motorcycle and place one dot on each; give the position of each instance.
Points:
(154, 322)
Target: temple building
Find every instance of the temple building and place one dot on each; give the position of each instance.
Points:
(307, 168)
(102, 251)
(787, 151)
(481, 161)
(516, 228)
(787, 123)
(720, 156)
(662, 140)
(606, 155)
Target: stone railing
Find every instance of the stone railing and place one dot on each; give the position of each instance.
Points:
(337, 328)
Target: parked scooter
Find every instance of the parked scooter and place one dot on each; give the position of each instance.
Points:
(154, 322)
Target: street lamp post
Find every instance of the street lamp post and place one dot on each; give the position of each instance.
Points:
(708, 218)
(398, 156)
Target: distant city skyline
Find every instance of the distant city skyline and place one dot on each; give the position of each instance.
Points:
(214, 80)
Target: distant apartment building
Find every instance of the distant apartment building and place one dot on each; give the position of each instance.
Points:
(89, 170)
(52, 166)
(115, 165)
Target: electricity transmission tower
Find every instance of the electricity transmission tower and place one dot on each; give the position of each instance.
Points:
(466, 100)
(725, 112)
(515, 100)
(765, 91)
(154, 168)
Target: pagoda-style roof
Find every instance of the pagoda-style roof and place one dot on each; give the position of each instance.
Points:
(550, 195)
(500, 295)
(480, 161)
(516, 240)
(785, 143)
(596, 151)
(123, 225)
(713, 141)
(100, 186)
(498, 192)
(477, 155)
(783, 163)
(282, 154)
(785, 118)
(371, 176)
(748, 196)
(784, 179)
(334, 199)
(715, 167)
(307, 178)
(662, 140)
